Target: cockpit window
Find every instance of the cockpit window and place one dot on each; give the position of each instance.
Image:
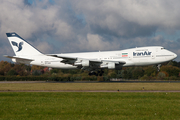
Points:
(162, 48)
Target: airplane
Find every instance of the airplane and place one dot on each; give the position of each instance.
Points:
(94, 62)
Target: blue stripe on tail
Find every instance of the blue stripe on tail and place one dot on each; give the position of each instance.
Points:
(13, 34)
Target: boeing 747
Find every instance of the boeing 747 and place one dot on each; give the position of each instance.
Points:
(94, 62)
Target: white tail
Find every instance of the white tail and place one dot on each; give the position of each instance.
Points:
(20, 46)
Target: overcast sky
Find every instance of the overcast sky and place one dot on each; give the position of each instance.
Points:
(60, 26)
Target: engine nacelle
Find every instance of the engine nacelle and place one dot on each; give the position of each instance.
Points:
(85, 63)
(111, 65)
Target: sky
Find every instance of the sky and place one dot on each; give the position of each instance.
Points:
(68, 26)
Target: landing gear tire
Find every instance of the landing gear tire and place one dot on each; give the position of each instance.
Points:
(98, 73)
(93, 73)
(90, 74)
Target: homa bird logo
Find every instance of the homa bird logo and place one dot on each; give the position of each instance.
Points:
(16, 44)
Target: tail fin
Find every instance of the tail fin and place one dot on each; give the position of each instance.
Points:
(20, 46)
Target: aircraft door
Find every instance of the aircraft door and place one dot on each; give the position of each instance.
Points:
(129, 56)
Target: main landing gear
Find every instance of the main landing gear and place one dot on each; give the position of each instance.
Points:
(159, 67)
(98, 73)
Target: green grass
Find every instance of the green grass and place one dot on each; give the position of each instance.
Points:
(88, 106)
(89, 86)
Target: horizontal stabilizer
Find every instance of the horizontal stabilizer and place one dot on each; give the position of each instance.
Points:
(20, 58)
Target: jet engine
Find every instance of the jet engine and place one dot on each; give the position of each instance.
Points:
(84, 63)
(111, 65)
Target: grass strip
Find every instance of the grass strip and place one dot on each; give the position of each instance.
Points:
(81, 106)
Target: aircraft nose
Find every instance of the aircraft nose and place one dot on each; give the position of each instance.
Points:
(172, 55)
(175, 55)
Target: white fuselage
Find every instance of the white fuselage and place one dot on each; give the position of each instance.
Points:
(91, 61)
(133, 57)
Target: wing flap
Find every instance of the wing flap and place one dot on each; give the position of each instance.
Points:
(117, 62)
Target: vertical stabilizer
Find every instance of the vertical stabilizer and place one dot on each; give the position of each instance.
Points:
(20, 46)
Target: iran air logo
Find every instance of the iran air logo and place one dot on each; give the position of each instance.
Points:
(16, 44)
(146, 53)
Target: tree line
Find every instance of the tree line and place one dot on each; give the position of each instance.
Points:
(16, 71)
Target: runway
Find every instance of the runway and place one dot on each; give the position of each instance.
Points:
(124, 81)
(123, 87)
(120, 91)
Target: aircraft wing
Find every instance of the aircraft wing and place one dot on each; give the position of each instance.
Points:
(86, 63)
(20, 58)
(117, 62)
(66, 60)
(64, 57)
(69, 58)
